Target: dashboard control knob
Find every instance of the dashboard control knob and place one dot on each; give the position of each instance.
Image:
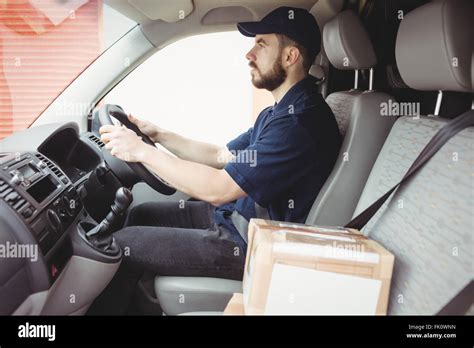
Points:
(42, 164)
(26, 213)
(17, 178)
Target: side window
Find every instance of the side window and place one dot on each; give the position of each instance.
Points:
(199, 87)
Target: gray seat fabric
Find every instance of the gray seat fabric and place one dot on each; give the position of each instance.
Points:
(347, 43)
(448, 35)
(364, 138)
(357, 113)
(348, 47)
(341, 105)
(194, 294)
(427, 224)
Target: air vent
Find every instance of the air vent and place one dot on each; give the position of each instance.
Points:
(18, 204)
(50, 165)
(96, 140)
(9, 195)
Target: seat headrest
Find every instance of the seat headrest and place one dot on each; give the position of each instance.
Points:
(435, 44)
(347, 43)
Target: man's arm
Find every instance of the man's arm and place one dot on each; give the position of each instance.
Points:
(197, 180)
(187, 149)
(195, 151)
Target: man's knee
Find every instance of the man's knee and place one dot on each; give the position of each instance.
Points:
(150, 214)
(139, 215)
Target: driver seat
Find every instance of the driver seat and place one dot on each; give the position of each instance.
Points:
(357, 112)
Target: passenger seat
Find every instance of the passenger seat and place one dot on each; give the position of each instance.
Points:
(427, 223)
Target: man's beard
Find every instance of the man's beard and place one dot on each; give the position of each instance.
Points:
(272, 79)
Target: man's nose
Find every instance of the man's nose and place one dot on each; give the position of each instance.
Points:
(250, 56)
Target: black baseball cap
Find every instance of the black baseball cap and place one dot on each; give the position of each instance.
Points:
(296, 23)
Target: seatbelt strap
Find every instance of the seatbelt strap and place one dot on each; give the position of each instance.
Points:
(241, 223)
(461, 303)
(448, 131)
(261, 212)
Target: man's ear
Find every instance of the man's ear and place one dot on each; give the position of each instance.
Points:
(291, 56)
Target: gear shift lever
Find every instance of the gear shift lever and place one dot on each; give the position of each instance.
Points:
(101, 235)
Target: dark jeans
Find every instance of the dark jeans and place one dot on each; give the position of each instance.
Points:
(173, 239)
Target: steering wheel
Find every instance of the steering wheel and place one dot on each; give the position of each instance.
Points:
(104, 115)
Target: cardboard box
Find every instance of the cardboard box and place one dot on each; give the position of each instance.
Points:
(299, 269)
(235, 305)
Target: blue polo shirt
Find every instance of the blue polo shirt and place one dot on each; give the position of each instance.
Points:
(284, 159)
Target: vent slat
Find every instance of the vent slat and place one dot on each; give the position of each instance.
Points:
(54, 168)
(20, 207)
(96, 140)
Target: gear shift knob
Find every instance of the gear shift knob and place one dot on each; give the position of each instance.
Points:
(101, 234)
(123, 198)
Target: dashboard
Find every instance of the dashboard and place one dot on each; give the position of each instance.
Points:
(40, 194)
(42, 175)
(75, 155)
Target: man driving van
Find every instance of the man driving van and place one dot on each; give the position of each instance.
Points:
(274, 170)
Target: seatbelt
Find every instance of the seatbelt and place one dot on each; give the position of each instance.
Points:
(261, 212)
(241, 223)
(448, 131)
(461, 303)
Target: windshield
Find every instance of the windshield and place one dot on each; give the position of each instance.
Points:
(44, 46)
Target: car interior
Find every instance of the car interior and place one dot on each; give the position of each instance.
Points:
(58, 182)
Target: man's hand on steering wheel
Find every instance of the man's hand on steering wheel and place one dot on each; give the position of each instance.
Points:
(126, 148)
(146, 127)
(123, 143)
